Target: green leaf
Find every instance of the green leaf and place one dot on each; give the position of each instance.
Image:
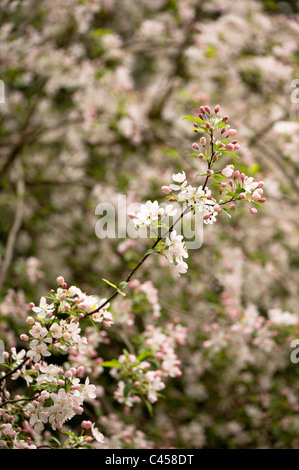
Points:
(152, 250)
(191, 118)
(149, 407)
(4, 365)
(199, 129)
(143, 355)
(112, 363)
(123, 285)
(230, 153)
(240, 190)
(218, 177)
(227, 212)
(258, 204)
(109, 283)
(69, 433)
(221, 124)
(128, 388)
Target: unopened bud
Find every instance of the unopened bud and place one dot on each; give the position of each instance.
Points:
(24, 337)
(217, 108)
(166, 189)
(195, 146)
(236, 174)
(253, 210)
(60, 280)
(231, 132)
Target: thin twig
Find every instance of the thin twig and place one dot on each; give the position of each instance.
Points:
(116, 292)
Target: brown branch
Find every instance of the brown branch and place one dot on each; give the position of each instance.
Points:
(13, 232)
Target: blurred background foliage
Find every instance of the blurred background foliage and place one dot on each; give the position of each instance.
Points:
(96, 92)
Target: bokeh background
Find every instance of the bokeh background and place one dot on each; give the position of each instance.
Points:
(95, 95)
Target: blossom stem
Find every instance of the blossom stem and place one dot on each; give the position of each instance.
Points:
(14, 370)
(116, 292)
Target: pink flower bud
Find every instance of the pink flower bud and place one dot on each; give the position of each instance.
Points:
(24, 337)
(202, 109)
(237, 146)
(243, 196)
(217, 108)
(232, 206)
(69, 374)
(227, 171)
(231, 132)
(223, 130)
(208, 125)
(201, 156)
(261, 184)
(195, 146)
(225, 118)
(207, 109)
(30, 320)
(243, 177)
(203, 141)
(256, 196)
(236, 174)
(31, 305)
(86, 424)
(263, 199)
(60, 280)
(230, 147)
(253, 210)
